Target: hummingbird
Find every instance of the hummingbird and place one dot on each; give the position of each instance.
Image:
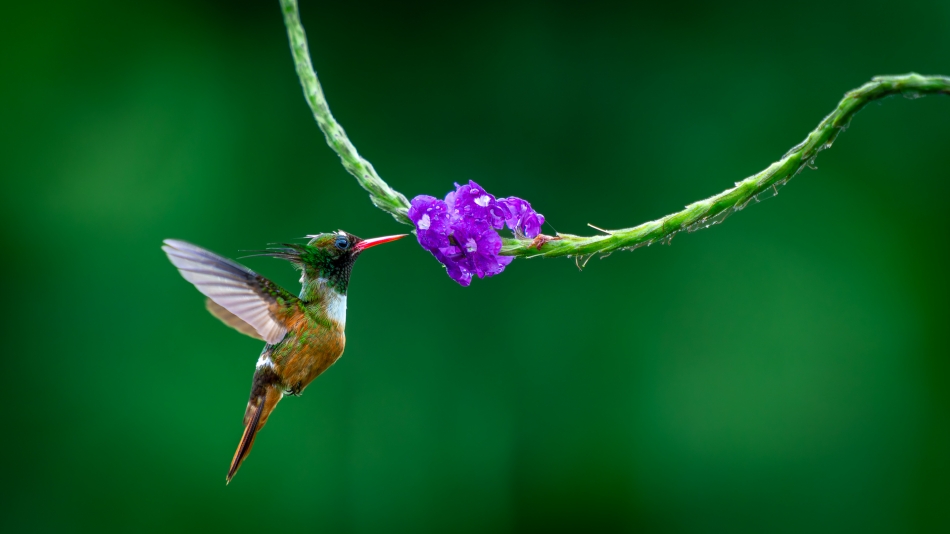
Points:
(303, 335)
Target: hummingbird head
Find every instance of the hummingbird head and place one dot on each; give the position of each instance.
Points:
(328, 258)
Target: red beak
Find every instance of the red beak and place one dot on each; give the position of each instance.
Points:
(366, 243)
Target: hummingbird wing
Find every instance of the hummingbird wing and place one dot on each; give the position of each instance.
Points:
(231, 320)
(261, 304)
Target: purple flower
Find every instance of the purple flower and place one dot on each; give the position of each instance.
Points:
(431, 218)
(454, 265)
(461, 231)
(480, 245)
(521, 219)
(472, 202)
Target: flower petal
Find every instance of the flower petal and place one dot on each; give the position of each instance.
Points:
(461, 231)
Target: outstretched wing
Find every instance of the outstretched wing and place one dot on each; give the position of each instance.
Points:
(253, 299)
(231, 320)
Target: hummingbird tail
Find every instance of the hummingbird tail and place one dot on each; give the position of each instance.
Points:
(258, 410)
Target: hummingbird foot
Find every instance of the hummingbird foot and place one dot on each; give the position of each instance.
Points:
(541, 239)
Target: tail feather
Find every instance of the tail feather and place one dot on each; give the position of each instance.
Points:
(254, 419)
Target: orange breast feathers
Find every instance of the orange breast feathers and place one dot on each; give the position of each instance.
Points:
(310, 348)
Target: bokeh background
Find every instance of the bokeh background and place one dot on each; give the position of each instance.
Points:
(784, 372)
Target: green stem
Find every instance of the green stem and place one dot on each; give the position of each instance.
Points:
(697, 215)
(382, 196)
(764, 184)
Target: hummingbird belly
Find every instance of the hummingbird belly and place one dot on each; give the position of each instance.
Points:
(307, 351)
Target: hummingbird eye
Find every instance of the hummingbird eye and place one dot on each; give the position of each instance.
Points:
(342, 243)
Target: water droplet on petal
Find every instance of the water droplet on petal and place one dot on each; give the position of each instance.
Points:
(424, 222)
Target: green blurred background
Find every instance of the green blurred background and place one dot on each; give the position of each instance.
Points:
(785, 372)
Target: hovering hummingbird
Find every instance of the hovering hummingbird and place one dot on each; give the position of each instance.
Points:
(304, 334)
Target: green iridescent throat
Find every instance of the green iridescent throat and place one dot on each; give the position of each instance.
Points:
(325, 267)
